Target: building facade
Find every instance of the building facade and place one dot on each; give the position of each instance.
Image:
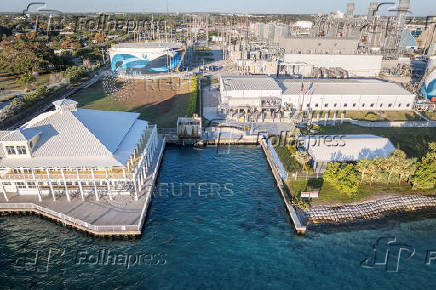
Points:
(258, 98)
(145, 58)
(71, 152)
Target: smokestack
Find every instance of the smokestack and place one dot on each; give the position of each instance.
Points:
(350, 9)
(371, 9)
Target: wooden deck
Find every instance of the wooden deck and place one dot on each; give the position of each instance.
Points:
(121, 216)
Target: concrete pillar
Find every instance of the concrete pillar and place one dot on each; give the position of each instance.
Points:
(39, 191)
(65, 184)
(136, 190)
(109, 192)
(81, 190)
(4, 192)
(36, 184)
(52, 190)
(95, 187)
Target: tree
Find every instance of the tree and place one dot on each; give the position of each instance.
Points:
(362, 166)
(23, 55)
(348, 180)
(302, 157)
(407, 169)
(425, 174)
(26, 79)
(394, 162)
(374, 168)
(345, 178)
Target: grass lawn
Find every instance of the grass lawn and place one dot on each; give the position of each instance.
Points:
(414, 141)
(289, 162)
(329, 194)
(430, 115)
(10, 82)
(383, 115)
(157, 107)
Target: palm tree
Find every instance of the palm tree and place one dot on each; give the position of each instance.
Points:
(407, 169)
(363, 166)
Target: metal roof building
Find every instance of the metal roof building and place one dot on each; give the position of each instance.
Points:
(71, 148)
(344, 148)
(266, 93)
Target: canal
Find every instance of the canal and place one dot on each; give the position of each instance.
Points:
(216, 221)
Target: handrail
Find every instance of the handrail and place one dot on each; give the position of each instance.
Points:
(65, 217)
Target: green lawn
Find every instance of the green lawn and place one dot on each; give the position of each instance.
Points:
(414, 141)
(10, 82)
(329, 194)
(289, 162)
(164, 114)
(382, 115)
(430, 115)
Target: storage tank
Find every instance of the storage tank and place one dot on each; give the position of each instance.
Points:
(429, 86)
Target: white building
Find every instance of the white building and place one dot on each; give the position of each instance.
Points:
(71, 151)
(256, 95)
(344, 148)
(347, 95)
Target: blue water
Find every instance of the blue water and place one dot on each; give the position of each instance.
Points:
(237, 236)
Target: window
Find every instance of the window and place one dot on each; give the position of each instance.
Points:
(390, 105)
(316, 105)
(399, 105)
(326, 105)
(381, 105)
(354, 104)
(335, 105)
(10, 150)
(20, 184)
(31, 144)
(21, 150)
(372, 105)
(345, 105)
(408, 105)
(363, 105)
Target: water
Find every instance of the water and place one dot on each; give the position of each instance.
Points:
(238, 237)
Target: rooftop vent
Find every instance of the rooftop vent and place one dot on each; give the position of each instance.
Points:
(65, 105)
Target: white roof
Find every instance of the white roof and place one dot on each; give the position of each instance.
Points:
(80, 138)
(347, 148)
(353, 87)
(167, 45)
(258, 83)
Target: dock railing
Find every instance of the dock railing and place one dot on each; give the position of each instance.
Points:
(63, 217)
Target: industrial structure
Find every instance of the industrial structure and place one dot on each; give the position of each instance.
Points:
(71, 151)
(258, 98)
(145, 58)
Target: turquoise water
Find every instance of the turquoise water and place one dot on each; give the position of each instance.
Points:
(234, 234)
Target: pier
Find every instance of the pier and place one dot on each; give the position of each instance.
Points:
(121, 216)
(299, 224)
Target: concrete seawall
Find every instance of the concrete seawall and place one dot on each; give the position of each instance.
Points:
(368, 210)
(299, 224)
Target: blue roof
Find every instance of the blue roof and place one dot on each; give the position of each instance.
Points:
(407, 39)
